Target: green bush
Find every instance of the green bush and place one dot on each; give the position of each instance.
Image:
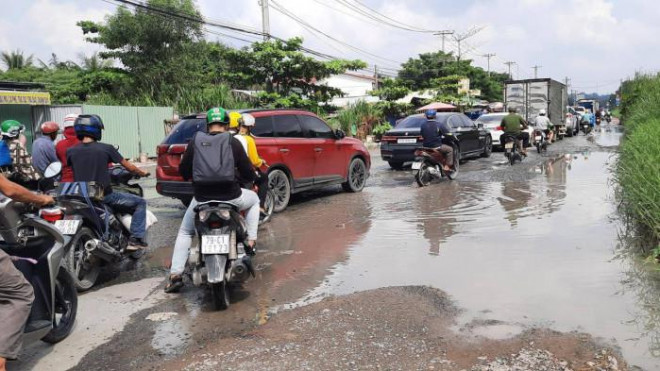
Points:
(638, 169)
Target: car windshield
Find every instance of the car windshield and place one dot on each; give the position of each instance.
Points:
(183, 132)
(490, 119)
(415, 122)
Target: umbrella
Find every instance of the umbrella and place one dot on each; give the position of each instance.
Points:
(438, 106)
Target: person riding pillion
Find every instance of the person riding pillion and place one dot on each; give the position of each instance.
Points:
(513, 125)
(246, 123)
(432, 132)
(70, 140)
(22, 170)
(543, 123)
(217, 164)
(89, 161)
(43, 149)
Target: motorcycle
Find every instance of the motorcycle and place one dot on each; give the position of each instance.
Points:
(37, 249)
(585, 127)
(219, 259)
(429, 164)
(608, 118)
(512, 148)
(540, 141)
(99, 235)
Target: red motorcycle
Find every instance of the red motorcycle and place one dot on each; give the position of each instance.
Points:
(430, 164)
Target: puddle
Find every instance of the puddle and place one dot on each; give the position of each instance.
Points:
(533, 253)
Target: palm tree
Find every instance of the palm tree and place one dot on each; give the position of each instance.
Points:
(16, 60)
(94, 62)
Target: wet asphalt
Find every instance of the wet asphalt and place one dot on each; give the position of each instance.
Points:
(526, 246)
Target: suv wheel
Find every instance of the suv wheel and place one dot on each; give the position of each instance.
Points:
(488, 147)
(395, 165)
(357, 176)
(279, 183)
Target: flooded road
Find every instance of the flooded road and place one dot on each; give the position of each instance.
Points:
(514, 248)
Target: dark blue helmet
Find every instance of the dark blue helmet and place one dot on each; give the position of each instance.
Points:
(89, 126)
(431, 113)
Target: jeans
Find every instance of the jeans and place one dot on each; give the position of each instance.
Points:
(132, 204)
(247, 201)
(16, 297)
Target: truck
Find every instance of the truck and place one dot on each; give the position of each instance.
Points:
(530, 96)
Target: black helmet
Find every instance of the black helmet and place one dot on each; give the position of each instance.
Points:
(88, 126)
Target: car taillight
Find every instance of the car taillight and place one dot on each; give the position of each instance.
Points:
(176, 150)
(499, 128)
(162, 149)
(51, 215)
(388, 139)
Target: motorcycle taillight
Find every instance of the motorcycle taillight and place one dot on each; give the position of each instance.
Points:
(215, 224)
(51, 215)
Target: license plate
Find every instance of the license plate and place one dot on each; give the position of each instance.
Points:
(538, 139)
(508, 145)
(406, 140)
(416, 165)
(215, 244)
(68, 226)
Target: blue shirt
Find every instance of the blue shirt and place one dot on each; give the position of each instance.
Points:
(432, 133)
(43, 154)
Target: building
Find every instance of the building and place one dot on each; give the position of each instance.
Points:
(355, 86)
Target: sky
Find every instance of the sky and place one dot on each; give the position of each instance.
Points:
(595, 43)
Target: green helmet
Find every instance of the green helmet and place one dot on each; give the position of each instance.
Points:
(217, 115)
(11, 128)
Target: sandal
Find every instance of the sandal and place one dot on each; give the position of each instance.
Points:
(174, 284)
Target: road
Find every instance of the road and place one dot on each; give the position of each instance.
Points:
(503, 267)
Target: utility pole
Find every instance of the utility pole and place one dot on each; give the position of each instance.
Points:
(375, 77)
(536, 71)
(509, 64)
(265, 21)
(489, 56)
(459, 38)
(443, 34)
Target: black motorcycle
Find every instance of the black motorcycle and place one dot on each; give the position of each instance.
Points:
(219, 258)
(585, 127)
(100, 235)
(37, 249)
(512, 148)
(429, 164)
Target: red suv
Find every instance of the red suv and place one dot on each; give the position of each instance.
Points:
(303, 153)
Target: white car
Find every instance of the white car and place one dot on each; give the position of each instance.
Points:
(492, 121)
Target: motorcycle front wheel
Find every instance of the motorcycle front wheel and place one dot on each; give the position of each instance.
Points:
(220, 295)
(423, 176)
(65, 306)
(269, 205)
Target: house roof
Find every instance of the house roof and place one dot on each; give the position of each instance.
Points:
(17, 85)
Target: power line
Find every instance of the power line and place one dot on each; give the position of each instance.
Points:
(373, 14)
(536, 71)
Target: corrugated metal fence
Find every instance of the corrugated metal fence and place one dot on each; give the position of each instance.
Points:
(134, 129)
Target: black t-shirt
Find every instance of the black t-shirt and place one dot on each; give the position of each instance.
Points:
(432, 132)
(89, 162)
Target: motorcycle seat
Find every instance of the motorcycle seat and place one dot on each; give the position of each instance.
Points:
(215, 204)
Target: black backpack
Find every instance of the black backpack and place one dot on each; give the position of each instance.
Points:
(214, 159)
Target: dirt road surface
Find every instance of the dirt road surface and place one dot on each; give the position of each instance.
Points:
(504, 268)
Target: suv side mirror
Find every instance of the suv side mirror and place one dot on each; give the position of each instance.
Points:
(480, 125)
(339, 134)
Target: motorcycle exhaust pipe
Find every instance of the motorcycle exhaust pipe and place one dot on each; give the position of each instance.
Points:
(102, 250)
(241, 269)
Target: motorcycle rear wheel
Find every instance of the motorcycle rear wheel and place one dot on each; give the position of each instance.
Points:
(220, 295)
(83, 273)
(66, 308)
(423, 176)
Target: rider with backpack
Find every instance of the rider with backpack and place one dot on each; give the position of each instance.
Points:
(217, 164)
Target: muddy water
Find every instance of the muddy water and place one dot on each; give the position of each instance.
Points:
(533, 252)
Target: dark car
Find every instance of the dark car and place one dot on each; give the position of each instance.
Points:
(398, 145)
(303, 153)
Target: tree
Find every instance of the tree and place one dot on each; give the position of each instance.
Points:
(94, 62)
(16, 60)
(158, 45)
(287, 75)
(389, 92)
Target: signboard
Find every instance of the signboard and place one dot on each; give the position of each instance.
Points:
(35, 98)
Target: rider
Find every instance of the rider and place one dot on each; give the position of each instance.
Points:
(43, 149)
(23, 171)
(234, 118)
(89, 161)
(63, 145)
(194, 166)
(513, 125)
(246, 123)
(16, 294)
(543, 123)
(432, 132)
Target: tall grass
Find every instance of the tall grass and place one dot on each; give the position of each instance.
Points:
(638, 169)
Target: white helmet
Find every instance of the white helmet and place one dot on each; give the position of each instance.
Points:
(69, 120)
(248, 120)
(542, 112)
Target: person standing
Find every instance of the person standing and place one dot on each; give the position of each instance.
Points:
(43, 149)
(70, 140)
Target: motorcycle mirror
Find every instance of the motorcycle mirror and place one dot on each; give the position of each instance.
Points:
(480, 125)
(340, 134)
(53, 170)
